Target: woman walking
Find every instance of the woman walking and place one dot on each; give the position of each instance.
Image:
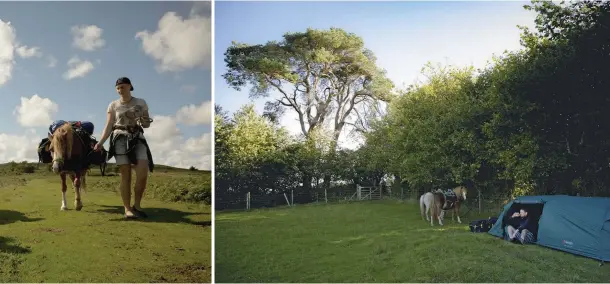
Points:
(126, 119)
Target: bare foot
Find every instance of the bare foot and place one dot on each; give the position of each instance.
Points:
(129, 214)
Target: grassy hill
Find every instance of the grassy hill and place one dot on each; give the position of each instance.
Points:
(379, 241)
(40, 243)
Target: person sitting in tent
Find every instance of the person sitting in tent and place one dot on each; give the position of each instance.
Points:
(523, 233)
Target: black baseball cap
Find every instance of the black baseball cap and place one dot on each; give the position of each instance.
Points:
(123, 80)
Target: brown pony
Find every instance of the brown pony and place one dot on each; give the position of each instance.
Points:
(69, 157)
(460, 197)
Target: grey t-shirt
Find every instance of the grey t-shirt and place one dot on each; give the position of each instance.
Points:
(126, 114)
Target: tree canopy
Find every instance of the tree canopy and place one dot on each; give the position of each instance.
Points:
(534, 121)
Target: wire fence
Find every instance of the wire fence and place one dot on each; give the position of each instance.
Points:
(476, 203)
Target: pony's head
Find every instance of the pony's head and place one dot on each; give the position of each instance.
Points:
(61, 145)
(461, 192)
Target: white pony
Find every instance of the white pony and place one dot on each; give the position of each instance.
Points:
(432, 202)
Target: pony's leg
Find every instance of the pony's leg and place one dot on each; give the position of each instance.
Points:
(440, 216)
(457, 212)
(64, 187)
(432, 213)
(76, 181)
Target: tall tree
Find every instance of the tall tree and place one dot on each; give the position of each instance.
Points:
(318, 74)
(321, 75)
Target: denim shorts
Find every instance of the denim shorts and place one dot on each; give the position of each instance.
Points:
(120, 151)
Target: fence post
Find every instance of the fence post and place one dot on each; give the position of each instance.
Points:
(287, 201)
(480, 197)
(292, 198)
(248, 201)
(325, 196)
(402, 193)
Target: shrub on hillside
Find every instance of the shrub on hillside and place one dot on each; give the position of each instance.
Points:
(191, 188)
(194, 188)
(15, 168)
(29, 169)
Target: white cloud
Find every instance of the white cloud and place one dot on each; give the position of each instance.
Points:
(26, 52)
(35, 111)
(189, 89)
(169, 147)
(195, 115)
(52, 61)
(78, 68)
(87, 38)
(18, 147)
(179, 44)
(7, 51)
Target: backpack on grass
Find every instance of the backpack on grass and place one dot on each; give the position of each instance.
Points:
(483, 225)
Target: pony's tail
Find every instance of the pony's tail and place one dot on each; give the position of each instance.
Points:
(422, 205)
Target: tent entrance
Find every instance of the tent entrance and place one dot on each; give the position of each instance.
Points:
(534, 211)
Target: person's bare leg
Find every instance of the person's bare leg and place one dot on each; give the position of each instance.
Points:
(126, 189)
(511, 232)
(141, 180)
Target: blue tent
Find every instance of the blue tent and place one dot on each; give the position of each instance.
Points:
(578, 225)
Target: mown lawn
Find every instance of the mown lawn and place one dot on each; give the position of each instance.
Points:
(384, 241)
(40, 243)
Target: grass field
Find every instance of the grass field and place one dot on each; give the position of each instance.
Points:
(384, 241)
(40, 243)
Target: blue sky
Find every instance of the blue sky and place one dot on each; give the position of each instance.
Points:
(163, 47)
(403, 35)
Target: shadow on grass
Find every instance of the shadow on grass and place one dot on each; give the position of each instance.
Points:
(6, 247)
(158, 215)
(10, 216)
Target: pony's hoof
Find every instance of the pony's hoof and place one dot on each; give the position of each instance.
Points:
(64, 208)
(78, 206)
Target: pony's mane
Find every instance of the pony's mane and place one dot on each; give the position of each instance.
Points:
(461, 188)
(62, 141)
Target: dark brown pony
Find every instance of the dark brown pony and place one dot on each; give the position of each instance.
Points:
(460, 197)
(69, 157)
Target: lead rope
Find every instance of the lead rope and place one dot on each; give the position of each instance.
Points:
(140, 119)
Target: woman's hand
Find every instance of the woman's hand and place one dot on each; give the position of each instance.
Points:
(98, 146)
(516, 214)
